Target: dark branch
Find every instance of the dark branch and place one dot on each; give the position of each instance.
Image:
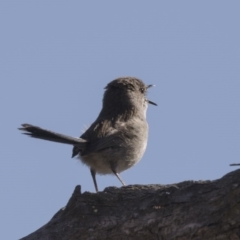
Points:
(187, 210)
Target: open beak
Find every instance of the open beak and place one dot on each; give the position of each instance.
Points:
(150, 102)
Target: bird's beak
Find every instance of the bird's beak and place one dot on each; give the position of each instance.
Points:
(151, 85)
(150, 102)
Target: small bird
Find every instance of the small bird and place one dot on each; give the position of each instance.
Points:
(118, 138)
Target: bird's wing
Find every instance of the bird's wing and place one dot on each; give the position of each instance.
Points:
(112, 141)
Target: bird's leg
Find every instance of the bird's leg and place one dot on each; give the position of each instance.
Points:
(93, 173)
(118, 176)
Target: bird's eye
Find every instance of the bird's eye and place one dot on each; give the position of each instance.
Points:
(142, 90)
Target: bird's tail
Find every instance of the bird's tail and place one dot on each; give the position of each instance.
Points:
(37, 132)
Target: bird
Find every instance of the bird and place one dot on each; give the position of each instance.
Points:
(118, 138)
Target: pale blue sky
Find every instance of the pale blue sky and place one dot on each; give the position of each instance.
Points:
(57, 56)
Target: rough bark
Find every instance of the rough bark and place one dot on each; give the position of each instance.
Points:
(189, 210)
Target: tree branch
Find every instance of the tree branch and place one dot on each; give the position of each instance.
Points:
(188, 210)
